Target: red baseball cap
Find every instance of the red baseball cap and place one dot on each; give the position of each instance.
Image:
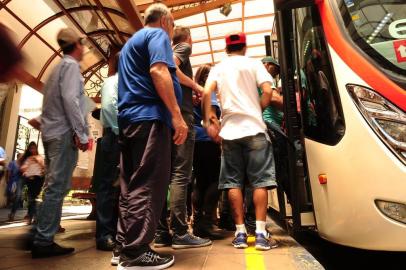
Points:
(236, 38)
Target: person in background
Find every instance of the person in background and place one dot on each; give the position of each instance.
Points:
(149, 119)
(206, 167)
(3, 159)
(107, 193)
(32, 169)
(10, 56)
(64, 131)
(273, 114)
(182, 158)
(36, 123)
(14, 185)
(246, 151)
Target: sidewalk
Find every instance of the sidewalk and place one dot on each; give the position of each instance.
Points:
(77, 211)
(221, 255)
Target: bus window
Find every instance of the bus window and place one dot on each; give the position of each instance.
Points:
(322, 115)
(378, 27)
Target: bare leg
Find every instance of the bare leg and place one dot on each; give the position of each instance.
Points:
(236, 202)
(261, 203)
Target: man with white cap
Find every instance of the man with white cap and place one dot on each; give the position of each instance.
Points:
(64, 131)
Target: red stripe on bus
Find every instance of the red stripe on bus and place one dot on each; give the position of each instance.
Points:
(364, 69)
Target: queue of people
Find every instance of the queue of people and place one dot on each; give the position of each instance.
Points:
(162, 130)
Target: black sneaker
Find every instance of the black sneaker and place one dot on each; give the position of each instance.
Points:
(188, 240)
(106, 245)
(115, 258)
(149, 259)
(162, 239)
(49, 251)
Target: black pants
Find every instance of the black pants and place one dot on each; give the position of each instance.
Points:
(34, 185)
(206, 167)
(107, 194)
(181, 176)
(145, 167)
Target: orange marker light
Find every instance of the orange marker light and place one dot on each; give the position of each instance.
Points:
(322, 179)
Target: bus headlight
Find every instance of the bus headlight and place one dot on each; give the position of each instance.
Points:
(386, 119)
(393, 210)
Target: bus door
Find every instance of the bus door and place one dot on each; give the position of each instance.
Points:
(312, 109)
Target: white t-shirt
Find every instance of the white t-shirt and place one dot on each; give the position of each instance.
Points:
(33, 166)
(238, 79)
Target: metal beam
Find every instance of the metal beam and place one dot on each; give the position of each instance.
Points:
(28, 79)
(131, 12)
(96, 10)
(169, 4)
(93, 33)
(208, 35)
(4, 3)
(93, 68)
(110, 20)
(232, 20)
(60, 14)
(29, 29)
(256, 56)
(47, 63)
(223, 50)
(70, 17)
(247, 33)
(200, 8)
(243, 15)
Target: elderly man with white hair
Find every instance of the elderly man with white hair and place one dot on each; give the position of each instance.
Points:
(149, 119)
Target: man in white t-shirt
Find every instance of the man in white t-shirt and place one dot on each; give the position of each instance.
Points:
(246, 150)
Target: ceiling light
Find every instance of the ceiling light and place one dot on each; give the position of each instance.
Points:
(226, 9)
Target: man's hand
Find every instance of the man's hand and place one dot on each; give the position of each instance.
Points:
(213, 129)
(81, 146)
(181, 130)
(198, 89)
(35, 123)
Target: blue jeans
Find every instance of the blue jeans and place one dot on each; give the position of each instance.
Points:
(17, 199)
(248, 157)
(61, 156)
(107, 194)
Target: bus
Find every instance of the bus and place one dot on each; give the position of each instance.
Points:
(343, 71)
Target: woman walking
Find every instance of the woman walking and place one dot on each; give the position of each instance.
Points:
(32, 169)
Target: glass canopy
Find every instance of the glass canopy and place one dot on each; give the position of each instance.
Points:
(35, 24)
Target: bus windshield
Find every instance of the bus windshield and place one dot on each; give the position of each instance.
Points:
(378, 27)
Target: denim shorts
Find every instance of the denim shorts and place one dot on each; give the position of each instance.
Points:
(249, 158)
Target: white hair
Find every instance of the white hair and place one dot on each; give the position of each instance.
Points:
(154, 12)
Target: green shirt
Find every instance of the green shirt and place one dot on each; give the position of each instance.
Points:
(272, 114)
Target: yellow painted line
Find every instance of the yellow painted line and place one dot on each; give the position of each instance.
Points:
(254, 259)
